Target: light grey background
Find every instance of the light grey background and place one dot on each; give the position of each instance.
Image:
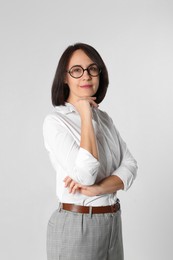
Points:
(135, 39)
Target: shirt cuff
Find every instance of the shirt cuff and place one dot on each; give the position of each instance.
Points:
(88, 167)
(125, 175)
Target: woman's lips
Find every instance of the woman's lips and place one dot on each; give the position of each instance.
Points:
(86, 86)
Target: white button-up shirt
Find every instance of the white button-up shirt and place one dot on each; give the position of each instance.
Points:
(61, 132)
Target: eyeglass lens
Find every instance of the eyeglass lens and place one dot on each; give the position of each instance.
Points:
(77, 71)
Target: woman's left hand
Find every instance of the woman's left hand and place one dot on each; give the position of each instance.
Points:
(74, 187)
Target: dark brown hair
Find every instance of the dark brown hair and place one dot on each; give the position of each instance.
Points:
(60, 90)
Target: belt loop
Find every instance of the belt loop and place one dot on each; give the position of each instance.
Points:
(112, 209)
(60, 207)
(90, 211)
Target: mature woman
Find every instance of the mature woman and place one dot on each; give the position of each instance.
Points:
(91, 161)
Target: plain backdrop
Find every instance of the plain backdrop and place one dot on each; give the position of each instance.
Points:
(135, 39)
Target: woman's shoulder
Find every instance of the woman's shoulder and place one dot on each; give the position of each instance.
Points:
(57, 112)
(59, 118)
(53, 117)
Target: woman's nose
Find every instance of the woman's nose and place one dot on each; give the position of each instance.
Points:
(86, 73)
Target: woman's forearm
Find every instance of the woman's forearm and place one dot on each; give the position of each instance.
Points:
(88, 138)
(110, 184)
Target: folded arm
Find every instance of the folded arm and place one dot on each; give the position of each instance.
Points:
(108, 185)
(120, 179)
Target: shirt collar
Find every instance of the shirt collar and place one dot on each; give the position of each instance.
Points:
(68, 108)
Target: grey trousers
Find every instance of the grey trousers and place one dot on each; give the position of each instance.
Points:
(76, 236)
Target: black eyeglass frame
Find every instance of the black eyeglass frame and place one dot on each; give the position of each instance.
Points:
(68, 71)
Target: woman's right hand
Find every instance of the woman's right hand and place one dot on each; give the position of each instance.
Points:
(84, 105)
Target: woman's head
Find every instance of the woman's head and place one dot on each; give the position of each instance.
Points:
(92, 80)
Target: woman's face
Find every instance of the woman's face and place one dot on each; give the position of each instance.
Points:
(86, 85)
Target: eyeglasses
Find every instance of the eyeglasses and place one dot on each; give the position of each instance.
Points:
(77, 71)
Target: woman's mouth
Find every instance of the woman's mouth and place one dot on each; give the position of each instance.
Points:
(86, 86)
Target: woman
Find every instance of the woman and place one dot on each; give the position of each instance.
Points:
(90, 158)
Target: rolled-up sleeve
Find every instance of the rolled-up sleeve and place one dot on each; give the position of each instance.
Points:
(127, 168)
(63, 149)
(88, 166)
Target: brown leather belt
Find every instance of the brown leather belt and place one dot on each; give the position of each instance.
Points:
(91, 210)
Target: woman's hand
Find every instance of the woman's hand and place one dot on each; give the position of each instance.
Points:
(83, 106)
(74, 187)
(93, 190)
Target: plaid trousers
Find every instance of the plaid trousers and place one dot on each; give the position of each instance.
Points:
(76, 236)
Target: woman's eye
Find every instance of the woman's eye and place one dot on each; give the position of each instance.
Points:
(76, 70)
(93, 68)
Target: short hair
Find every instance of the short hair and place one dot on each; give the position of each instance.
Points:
(60, 90)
